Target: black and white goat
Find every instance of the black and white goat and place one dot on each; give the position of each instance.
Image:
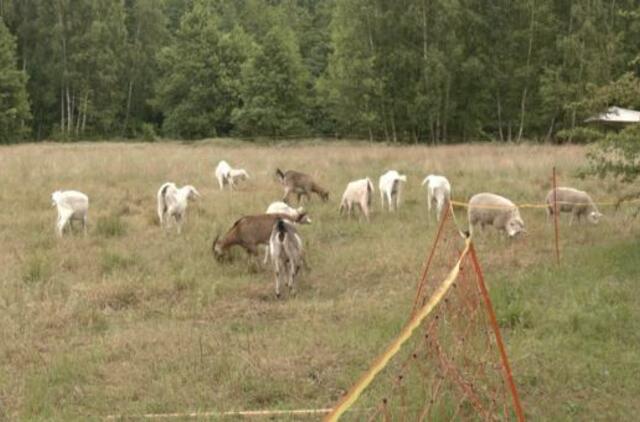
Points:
(285, 245)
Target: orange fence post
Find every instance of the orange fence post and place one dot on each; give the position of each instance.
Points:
(555, 215)
(496, 332)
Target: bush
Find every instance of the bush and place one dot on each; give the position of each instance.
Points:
(581, 135)
(617, 155)
(149, 132)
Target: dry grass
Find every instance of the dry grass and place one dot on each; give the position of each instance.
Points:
(131, 320)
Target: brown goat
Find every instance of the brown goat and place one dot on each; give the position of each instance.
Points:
(301, 184)
(249, 232)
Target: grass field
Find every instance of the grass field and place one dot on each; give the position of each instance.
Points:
(129, 320)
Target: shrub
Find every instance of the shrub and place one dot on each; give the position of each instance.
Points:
(149, 132)
(581, 135)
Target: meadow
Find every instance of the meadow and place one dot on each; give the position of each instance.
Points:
(130, 320)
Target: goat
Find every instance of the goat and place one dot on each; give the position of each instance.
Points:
(172, 203)
(301, 184)
(495, 210)
(358, 192)
(575, 201)
(389, 185)
(286, 254)
(228, 176)
(297, 214)
(71, 205)
(438, 192)
(248, 232)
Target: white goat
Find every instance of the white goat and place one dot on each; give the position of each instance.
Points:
(389, 186)
(71, 205)
(286, 254)
(358, 192)
(228, 176)
(438, 192)
(172, 203)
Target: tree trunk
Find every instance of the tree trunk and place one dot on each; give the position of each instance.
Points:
(393, 127)
(84, 114)
(69, 115)
(126, 116)
(62, 109)
(551, 126)
(500, 117)
(445, 114)
(523, 101)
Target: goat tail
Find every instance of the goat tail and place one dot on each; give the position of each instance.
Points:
(281, 229)
(163, 195)
(280, 175)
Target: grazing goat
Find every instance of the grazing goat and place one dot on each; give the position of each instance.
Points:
(389, 186)
(497, 211)
(172, 203)
(301, 184)
(577, 202)
(438, 192)
(286, 254)
(229, 176)
(71, 205)
(358, 192)
(248, 232)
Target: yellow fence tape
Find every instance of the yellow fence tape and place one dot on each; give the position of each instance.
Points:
(526, 205)
(219, 414)
(395, 346)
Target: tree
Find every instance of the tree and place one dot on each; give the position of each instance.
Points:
(147, 33)
(14, 107)
(199, 84)
(274, 88)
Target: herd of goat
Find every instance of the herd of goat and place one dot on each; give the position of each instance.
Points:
(276, 228)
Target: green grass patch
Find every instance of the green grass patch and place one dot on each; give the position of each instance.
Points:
(111, 226)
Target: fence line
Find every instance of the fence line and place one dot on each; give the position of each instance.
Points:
(534, 205)
(208, 414)
(382, 361)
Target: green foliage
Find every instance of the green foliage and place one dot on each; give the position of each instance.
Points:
(407, 71)
(618, 155)
(14, 107)
(582, 135)
(274, 87)
(198, 88)
(149, 132)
